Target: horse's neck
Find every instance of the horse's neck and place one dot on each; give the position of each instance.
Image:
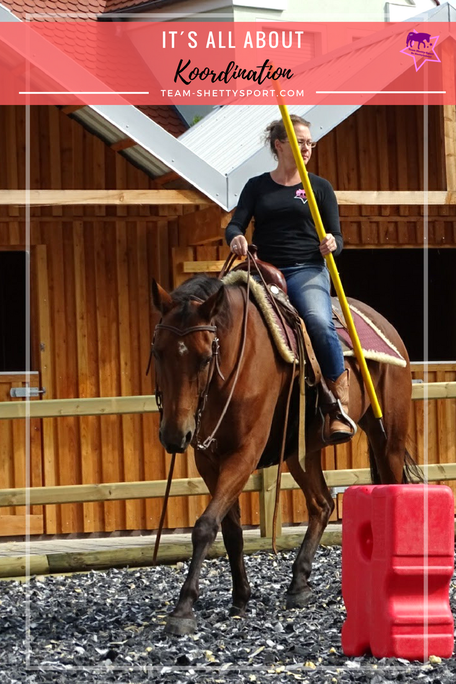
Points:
(231, 336)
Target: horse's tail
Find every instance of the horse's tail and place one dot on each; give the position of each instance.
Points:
(375, 475)
(411, 473)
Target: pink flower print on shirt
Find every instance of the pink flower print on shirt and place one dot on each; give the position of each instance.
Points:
(301, 194)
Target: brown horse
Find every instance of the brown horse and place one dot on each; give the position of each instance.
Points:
(197, 348)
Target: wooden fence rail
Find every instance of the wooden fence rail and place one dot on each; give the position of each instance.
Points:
(104, 406)
(258, 482)
(117, 491)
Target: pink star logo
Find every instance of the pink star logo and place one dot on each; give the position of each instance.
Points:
(421, 46)
(301, 194)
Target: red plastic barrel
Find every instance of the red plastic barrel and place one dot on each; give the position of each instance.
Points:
(397, 564)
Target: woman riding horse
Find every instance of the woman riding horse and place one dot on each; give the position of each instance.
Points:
(216, 365)
(286, 237)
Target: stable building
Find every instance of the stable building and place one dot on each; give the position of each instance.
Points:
(118, 195)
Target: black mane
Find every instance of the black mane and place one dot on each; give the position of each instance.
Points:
(200, 287)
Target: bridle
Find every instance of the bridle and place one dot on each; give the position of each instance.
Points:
(214, 364)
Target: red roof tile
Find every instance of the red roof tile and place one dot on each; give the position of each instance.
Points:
(114, 5)
(24, 8)
(89, 8)
(167, 117)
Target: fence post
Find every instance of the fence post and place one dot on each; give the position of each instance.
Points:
(267, 501)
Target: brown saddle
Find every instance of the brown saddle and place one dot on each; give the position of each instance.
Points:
(282, 314)
(269, 273)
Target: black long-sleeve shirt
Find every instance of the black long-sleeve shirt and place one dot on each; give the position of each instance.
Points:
(284, 231)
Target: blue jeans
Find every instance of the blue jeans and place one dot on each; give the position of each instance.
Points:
(310, 293)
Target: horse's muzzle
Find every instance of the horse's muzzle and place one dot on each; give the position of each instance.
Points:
(175, 441)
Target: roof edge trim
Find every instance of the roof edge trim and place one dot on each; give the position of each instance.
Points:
(169, 150)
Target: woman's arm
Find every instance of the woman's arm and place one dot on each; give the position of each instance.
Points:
(235, 230)
(329, 211)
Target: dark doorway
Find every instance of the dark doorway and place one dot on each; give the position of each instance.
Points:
(392, 281)
(13, 327)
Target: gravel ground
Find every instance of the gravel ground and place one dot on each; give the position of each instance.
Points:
(108, 627)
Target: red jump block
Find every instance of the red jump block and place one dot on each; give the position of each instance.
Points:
(397, 564)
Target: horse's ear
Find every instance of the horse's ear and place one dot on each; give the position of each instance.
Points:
(210, 308)
(161, 299)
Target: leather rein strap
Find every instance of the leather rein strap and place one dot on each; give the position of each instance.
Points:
(303, 341)
(225, 269)
(209, 440)
(203, 397)
(163, 513)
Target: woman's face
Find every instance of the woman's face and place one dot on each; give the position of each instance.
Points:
(303, 136)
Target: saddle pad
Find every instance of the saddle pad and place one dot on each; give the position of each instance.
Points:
(374, 344)
(280, 336)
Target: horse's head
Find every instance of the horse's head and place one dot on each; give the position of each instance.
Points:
(184, 349)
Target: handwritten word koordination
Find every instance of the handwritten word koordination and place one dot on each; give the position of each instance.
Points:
(231, 72)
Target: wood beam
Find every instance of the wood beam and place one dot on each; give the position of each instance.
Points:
(70, 109)
(36, 198)
(154, 218)
(449, 114)
(87, 406)
(117, 491)
(104, 406)
(449, 119)
(394, 197)
(180, 197)
(135, 218)
(165, 178)
(124, 144)
(434, 390)
(204, 266)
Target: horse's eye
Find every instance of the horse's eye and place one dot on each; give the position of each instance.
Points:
(205, 362)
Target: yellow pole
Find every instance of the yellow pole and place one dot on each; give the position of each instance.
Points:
(330, 261)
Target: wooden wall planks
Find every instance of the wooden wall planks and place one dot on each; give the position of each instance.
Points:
(92, 316)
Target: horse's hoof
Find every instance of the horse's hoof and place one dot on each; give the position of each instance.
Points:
(299, 600)
(237, 612)
(180, 626)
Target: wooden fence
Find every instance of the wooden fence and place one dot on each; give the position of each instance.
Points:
(263, 482)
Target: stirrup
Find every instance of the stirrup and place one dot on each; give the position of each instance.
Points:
(351, 423)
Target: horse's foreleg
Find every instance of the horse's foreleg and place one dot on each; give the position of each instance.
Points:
(182, 620)
(225, 489)
(234, 544)
(320, 505)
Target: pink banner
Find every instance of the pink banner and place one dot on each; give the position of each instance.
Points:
(227, 63)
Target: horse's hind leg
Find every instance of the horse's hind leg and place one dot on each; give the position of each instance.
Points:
(387, 452)
(234, 544)
(320, 506)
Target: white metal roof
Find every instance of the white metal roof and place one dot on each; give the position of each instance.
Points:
(230, 139)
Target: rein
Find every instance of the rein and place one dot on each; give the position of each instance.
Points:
(163, 513)
(209, 440)
(203, 396)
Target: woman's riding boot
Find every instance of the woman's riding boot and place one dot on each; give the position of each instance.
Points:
(341, 428)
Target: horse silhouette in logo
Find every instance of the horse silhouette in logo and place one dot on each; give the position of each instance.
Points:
(420, 38)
